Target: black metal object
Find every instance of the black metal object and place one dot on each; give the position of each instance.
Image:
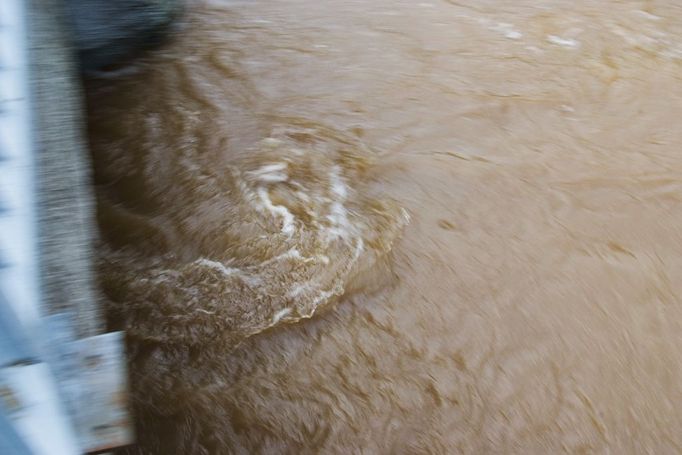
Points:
(109, 32)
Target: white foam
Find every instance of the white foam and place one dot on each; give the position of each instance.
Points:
(322, 296)
(508, 30)
(358, 249)
(253, 281)
(280, 314)
(291, 254)
(302, 196)
(338, 186)
(272, 173)
(219, 266)
(278, 210)
(295, 254)
(338, 215)
(201, 310)
(565, 42)
(271, 142)
(298, 290)
(406, 215)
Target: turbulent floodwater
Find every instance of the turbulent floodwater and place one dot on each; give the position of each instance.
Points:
(399, 227)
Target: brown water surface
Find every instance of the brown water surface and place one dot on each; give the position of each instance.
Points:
(400, 227)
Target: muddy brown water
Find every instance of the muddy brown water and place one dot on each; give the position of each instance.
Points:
(399, 227)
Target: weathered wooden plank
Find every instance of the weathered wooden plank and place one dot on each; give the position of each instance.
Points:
(92, 375)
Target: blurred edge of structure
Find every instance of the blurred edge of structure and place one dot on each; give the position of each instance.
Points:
(109, 32)
(65, 201)
(104, 33)
(101, 33)
(62, 379)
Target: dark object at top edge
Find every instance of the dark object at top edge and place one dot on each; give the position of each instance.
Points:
(107, 33)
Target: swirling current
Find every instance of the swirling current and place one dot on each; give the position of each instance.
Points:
(398, 227)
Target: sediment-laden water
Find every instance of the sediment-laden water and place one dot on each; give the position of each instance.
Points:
(399, 227)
